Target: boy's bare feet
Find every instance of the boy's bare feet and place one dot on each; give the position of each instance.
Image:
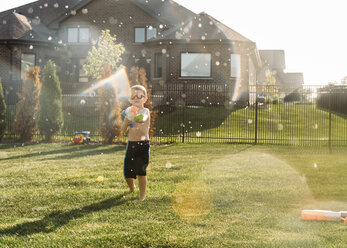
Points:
(132, 189)
(142, 198)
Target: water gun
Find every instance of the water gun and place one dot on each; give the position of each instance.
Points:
(131, 114)
(324, 215)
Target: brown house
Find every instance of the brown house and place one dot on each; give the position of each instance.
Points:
(173, 44)
(273, 61)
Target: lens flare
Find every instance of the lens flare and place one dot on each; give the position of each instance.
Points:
(192, 200)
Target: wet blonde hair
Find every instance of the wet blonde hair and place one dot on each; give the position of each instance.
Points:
(139, 87)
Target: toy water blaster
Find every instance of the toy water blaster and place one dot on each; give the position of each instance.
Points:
(81, 137)
(324, 215)
(131, 114)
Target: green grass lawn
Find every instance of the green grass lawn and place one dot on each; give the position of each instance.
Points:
(198, 196)
(276, 124)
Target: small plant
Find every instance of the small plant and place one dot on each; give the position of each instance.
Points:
(50, 116)
(3, 123)
(27, 107)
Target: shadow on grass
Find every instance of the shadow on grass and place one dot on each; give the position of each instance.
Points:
(58, 218)
(71, 151)
(199, 119)
(79, 153)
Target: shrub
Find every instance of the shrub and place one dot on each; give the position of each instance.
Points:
(50, 117)
(3, 123)
(109, 108)
(26, 109)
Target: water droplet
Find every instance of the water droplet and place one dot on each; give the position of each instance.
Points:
(84, 11)
(46, 5)
(73, 12)
(198, 134)
(30, 10)
(56, 5)
(203, 37)
(163, 51)
(217, 63)
(4, 22)
(31, 47)
(83, 101)
(161, 26)
(315, 165)
(250, 121)
(199, 25)
(49, 37)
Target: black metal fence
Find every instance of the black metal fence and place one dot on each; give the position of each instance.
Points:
(205, 113)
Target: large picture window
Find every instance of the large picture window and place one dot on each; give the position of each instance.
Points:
(78, 35)
(144, 34)
(27, 61)
(235, 65)
(158, 69)
(195, 65)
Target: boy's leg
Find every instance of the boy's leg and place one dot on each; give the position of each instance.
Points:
(131, 184)
(142, 186)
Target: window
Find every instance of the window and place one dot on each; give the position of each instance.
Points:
(140, 34)
(158, 69)
(195, 65)
(78, 35)
(27, 61)
(235, 65)
(143, 34)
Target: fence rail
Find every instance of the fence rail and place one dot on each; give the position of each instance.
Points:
(219, 113)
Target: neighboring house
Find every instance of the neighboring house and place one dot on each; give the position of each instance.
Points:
(273, 63)
(173, 44)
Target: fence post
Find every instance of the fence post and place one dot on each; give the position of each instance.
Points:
(183, 112)
(256, 116)
(330, 117)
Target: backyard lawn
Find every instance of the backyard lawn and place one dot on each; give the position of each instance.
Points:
(199, 195)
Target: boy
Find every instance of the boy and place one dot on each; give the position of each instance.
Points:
(137, 152)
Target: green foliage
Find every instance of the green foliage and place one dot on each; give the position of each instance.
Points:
(3, 123)
(26, 109)
(50, 116)
(105, 52)
(109, 109)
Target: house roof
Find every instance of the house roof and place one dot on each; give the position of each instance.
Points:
(46, 11)
(20, 27)
(167, 11)
(273, 58)
(51, 11)
(296, 78)
(201, 27)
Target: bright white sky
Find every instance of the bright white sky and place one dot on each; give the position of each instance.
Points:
(311, 32)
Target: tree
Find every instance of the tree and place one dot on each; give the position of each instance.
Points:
(27, 107)
(109, 108)
(138, 76)
(104, 52)
(3, 123)
(271, 89)
(101, 62)
(344, 80)
(50, 115)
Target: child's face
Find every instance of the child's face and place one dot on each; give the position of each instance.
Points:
(137, 98)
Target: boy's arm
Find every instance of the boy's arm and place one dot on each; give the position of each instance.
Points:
(125, 125)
